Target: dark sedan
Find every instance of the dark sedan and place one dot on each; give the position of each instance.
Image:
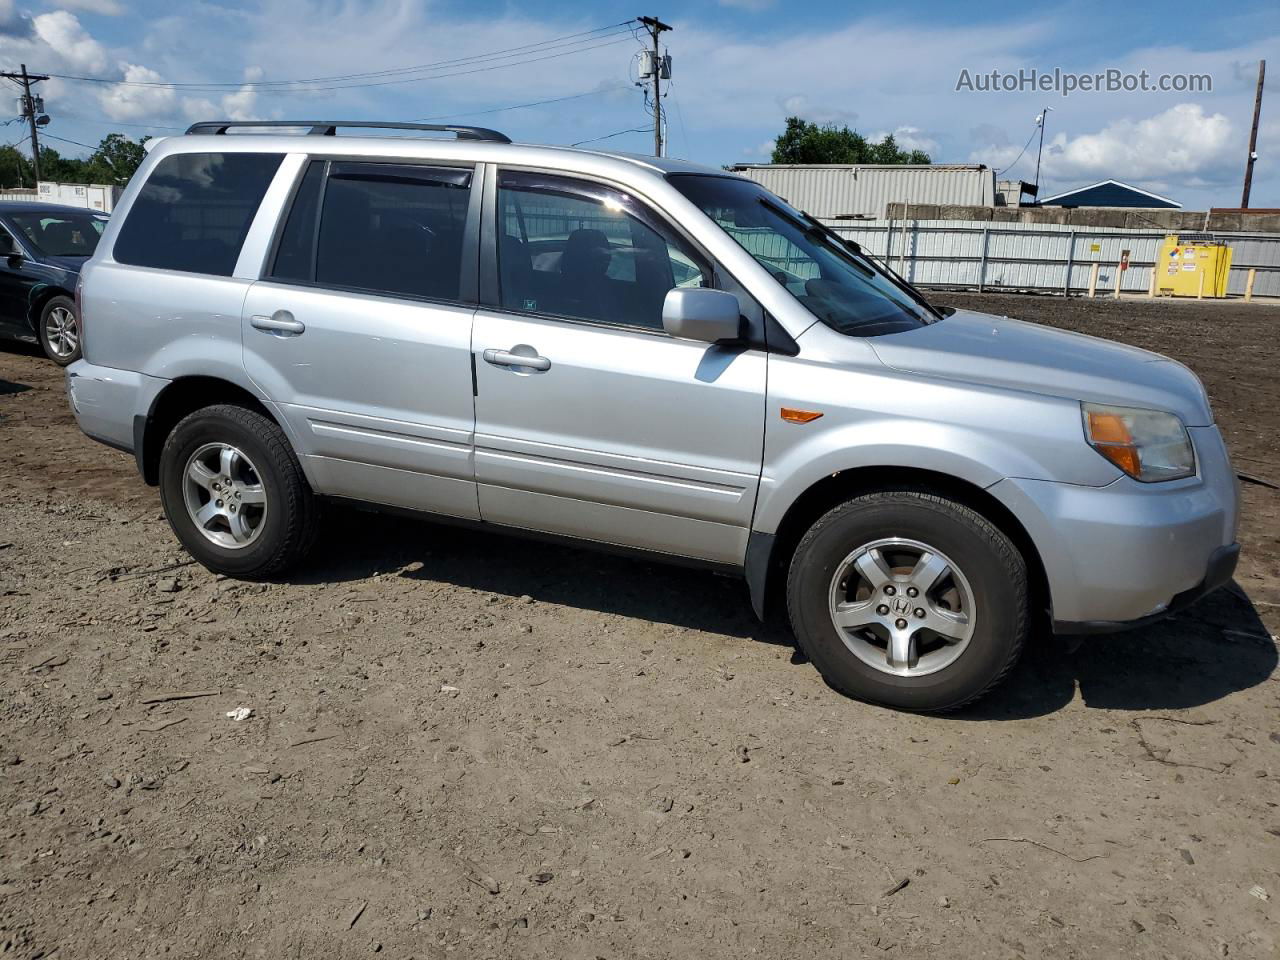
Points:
(43, 246)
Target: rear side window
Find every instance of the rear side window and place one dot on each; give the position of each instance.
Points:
(194, 211)
(387, 228)
(295, 257)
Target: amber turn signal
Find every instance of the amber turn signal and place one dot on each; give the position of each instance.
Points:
(1112, 439)
(792, 415)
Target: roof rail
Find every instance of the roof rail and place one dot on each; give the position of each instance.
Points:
(329, 128)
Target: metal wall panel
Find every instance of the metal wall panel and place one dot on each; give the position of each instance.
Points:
(864, 190)
(1017, 256)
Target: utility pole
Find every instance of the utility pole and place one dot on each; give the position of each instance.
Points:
(1039, 150)
(656, 27)
(30, 111)
(1253, 137)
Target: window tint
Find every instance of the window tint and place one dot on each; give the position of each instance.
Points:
(62, 234)
(294, 257)
(194, 211)
(393, 228)
(578, 249)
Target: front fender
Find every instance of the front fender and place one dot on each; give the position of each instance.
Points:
(875, 417)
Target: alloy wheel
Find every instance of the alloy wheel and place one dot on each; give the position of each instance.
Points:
(62, 332)
(224, 495)
(902, 607)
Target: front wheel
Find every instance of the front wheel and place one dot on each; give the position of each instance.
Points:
(60, 331)
(908, 599)
(234, 493)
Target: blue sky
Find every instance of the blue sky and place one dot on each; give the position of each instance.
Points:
(740, 67)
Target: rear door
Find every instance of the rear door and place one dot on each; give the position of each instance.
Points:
(360, 330)
(590, 420)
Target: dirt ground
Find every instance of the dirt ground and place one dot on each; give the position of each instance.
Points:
(468, 745)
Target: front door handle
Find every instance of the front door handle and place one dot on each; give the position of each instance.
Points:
(505, 358)
(279, 322)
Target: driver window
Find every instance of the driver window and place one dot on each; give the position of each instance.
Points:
(574, 248)
(389, 228)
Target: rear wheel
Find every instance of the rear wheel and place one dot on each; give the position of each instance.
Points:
(909, 599)
(234, 493)
(60, 330)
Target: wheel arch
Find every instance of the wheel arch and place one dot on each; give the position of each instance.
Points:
(179, 398)
(40, 297)
(769, 553)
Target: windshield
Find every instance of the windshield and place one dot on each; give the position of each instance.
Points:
(61, 234)
(840, 287)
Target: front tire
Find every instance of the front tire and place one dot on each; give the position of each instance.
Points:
(59, 331)
(234, 493)
(908, 599)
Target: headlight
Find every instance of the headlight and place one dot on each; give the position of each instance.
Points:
(1148, 445)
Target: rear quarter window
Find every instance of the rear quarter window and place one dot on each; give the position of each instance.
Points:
(194, 211)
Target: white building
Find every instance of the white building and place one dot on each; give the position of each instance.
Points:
(856, 191)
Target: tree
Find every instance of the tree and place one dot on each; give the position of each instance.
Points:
(113, 161)
(117, 158)
(15, 169)
(805, 142)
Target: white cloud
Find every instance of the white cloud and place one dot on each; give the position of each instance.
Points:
(137, 103)
(107, 8)
(1182, 143)
(67, 40)
(241, 105)
(908, 138)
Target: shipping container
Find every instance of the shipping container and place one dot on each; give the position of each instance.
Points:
(92, 196)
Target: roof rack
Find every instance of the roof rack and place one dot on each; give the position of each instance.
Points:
(329, 128)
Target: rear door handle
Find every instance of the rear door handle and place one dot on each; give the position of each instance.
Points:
(504, 358)
(279, 322)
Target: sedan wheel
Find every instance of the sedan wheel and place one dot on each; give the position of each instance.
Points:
(59, 331)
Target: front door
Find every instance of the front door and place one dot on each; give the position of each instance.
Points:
(17, 278)
(591, 421)
(360, 332)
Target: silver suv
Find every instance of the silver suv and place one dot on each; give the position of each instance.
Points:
(643, 354)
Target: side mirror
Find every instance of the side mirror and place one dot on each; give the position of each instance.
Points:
(697, 313)
(14, 258)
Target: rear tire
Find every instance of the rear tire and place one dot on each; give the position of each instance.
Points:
(234, 493)
(59, 331)
(858, 563)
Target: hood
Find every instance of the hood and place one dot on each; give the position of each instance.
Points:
(980, 348)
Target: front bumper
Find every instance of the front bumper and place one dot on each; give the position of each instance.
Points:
(1129, 552)
(1222, 566)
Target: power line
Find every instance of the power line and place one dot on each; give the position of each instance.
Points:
(1034, 130)
(117, 123)
(521, 106)
(50, 136)
(514, 56)
(608, 136)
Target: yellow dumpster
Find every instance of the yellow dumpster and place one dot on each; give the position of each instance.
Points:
(1192, 266)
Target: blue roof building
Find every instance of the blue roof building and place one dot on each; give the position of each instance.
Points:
(1110, 193)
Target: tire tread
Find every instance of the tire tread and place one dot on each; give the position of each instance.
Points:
(299, 501)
